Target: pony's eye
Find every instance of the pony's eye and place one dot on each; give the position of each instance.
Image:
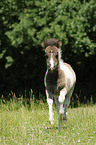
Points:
(46, 56)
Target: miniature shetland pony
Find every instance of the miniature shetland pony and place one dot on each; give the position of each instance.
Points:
(59, 80)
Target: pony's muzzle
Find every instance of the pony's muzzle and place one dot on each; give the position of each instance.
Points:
(52, 68)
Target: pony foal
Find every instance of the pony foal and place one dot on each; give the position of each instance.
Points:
(59, 80)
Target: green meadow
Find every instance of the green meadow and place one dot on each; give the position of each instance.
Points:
(25, 122)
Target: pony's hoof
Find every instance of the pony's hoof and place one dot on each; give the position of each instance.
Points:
(51, 122)
(65, 117)
(64, 120)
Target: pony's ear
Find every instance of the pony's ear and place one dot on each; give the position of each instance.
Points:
(58, 44)
(44, 44)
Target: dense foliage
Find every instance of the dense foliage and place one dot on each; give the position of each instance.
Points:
(25, 24)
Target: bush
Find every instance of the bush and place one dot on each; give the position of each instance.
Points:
(25, 24)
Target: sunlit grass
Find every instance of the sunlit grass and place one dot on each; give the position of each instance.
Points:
(24, 122)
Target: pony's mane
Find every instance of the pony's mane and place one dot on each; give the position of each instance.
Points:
(60, 60)
(52, 41)
(60, 54)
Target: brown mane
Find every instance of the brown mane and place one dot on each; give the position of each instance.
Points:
(51, 42)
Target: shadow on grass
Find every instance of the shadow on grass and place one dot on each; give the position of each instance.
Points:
(52, 128)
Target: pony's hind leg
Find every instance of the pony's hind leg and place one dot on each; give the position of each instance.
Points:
(65, 113)
(67, 103)
(57, 104)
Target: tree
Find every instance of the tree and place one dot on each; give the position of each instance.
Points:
(26, 24)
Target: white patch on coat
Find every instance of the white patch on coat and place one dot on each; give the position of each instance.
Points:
(61, 101)
(62, 96)
(51, 61)
(45, 77)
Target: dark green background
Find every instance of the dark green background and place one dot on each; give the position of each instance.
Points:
(25, 24)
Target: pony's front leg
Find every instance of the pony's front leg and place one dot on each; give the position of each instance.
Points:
(50, 103)
(61, 107)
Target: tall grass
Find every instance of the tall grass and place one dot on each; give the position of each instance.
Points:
(25, 122)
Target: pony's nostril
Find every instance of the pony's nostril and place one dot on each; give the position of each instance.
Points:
(56, 56)
(51, 68)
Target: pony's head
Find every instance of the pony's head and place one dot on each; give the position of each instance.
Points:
(52, 53)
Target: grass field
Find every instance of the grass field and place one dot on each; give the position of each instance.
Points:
(26, 123)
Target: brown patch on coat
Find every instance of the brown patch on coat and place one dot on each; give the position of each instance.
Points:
(51, 49)
(61, 80)
(68, 82)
